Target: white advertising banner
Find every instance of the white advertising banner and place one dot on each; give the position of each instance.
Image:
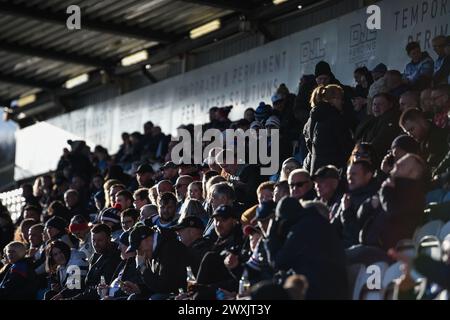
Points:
(242, 80)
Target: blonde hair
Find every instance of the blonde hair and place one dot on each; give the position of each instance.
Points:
(325, 94)
(106, 186)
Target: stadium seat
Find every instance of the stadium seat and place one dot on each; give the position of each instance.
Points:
(354, 273)
(431, 228)
(444, 295)
(445, 230)
(392, 273)
(430, 246)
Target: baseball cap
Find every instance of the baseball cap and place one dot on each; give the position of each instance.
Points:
(138, 234)
(169, 165)
(144, 168)
(189, 222)
(326, 172)
(224, 211)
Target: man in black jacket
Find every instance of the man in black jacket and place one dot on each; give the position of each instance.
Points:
(190, 231)
(381, 129)
(432, 140)
(328, 186)
(400, 207)
(362, 185)
(159, 261)
(245, 178)
(303, 240)
(18, 279)
(103, 262)
(212, 271)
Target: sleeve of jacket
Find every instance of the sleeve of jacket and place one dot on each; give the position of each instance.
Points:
(292, 248)
(272, 244)
(351, 228)
(386, 134)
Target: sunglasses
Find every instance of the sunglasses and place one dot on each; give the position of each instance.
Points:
(298, 184)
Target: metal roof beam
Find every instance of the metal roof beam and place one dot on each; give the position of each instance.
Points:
(26, 82)
(235, 5)
(53, 55)
(90, 24)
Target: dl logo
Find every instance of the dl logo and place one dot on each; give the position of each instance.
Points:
(73, 22)
(374, 20)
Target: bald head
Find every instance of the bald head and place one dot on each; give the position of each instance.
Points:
(409, 99)
(147, 211)
(164, 186)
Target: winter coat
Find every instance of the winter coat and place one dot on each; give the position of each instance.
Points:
(380, 131)
(328, 138)
(18, 281)
(312, 248)
(399, 213)
(420, 74)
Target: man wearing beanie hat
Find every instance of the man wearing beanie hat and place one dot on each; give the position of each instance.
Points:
(56, 229)
(263, 112)
(111, 217)
(313, 248)
(79, 227)
(160, 261)
(323, 73)
(379, 71)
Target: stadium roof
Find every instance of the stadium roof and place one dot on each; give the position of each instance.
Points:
(38, 53)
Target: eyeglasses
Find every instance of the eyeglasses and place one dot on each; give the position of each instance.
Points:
(298, 184)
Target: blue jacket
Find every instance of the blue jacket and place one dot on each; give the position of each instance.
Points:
(419, 73)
